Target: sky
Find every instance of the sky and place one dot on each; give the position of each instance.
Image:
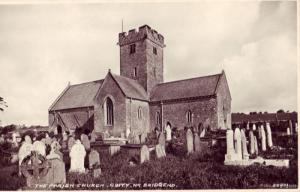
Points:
(43, 46)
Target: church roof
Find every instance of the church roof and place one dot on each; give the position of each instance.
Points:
(131, 88)
(79, 95)
(195, 87)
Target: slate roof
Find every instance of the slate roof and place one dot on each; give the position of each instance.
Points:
(131, 88)
(240, 118)
(79, 95)
(195, 87)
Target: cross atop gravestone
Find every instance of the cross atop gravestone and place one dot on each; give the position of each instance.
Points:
(189, 141)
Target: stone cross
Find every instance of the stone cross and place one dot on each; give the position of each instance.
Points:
(252, 142)
(244, 145)
(85, 141)
(39, 147)
(263, 139)
(94, 159)
(77, 155)
(168, 133)
(197, 144)
(255, 146)
(144, 154)
(238, 143)
(269, 136)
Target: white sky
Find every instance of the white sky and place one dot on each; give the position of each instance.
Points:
(44, 46)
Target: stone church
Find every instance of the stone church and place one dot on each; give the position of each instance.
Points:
(138, 100)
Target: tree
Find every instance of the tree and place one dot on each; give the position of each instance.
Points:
(2, 104)
(280, 111)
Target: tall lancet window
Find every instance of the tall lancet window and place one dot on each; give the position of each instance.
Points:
(108, 112)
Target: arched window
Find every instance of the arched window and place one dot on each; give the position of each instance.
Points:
(157, 117)
(108, 112)
(189, 116)
(139, 112)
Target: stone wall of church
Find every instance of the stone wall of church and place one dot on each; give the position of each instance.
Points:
(110, 89)
(137, 124)
(224, 104)
(203, 111)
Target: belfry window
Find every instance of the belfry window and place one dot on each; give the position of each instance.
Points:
(132, 48)
(108, 112)
(189, 116)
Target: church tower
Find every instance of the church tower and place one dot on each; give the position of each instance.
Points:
(141, 56)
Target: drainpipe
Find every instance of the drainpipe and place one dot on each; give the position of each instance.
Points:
(162, 116)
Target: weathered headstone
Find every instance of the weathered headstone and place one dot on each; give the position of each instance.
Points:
(202, 134)
(248, 126)
(259, 132)
(93, 137)
(39, 147)
(189, 141)
(77, 155)
(244, 145)
(254, 127)
(197, 143)
(144, 154)
(55, 147)
(94, 159)
(230, 152)
(238, 143)
(162, 140)
(159, 151)
(269, 135)
(56, 173)
(255, 146)
(27, 139)
(252, 142)
(85, 141)
(168, 133)
(263, 139)
(71, 142)
(24, 150)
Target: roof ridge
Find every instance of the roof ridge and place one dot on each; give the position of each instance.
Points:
(218, 74)
(95, 81)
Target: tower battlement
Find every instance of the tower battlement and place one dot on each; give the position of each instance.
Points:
(143, 32)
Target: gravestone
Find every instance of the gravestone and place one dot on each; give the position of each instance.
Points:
(244, 145)
(248, 126)
(168, 133)
(288, 131)
(93, 137)
(94, 159)
(230, 155)
(197, 143)
(269, 136)
(255, 146)
(263, 139)
(254, 127)
(162, 140)
(259, 132)
(39, 147)
(189, 141)
(238, 143)
(56, 173)
(296, 127)
(202, 134)
(77, 155)
(65, 136)
(144, 154)
(27, 139)
(24, 151)
(252, 142)
(48, 140)
(34, 168)
(71, 142)
(85, 141)
(159, 151)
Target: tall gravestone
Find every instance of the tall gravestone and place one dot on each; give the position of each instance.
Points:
(77, 155)
(259, 132)
(189, 141)
(197, 144)
(244, 145)
(238, 143)
(168, 133)
(85, 141)
(288, 131)
(252, 142)
(269, 135)
(263, 140)
(254, 127)
(57, 173)
(159, 151)
(255, 146)
(94, 159)
(144, 154)
(230, 155)
(162, 141)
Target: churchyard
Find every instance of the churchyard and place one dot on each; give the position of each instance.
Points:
(241, 158)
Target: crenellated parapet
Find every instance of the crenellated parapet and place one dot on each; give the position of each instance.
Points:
(144, 32)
